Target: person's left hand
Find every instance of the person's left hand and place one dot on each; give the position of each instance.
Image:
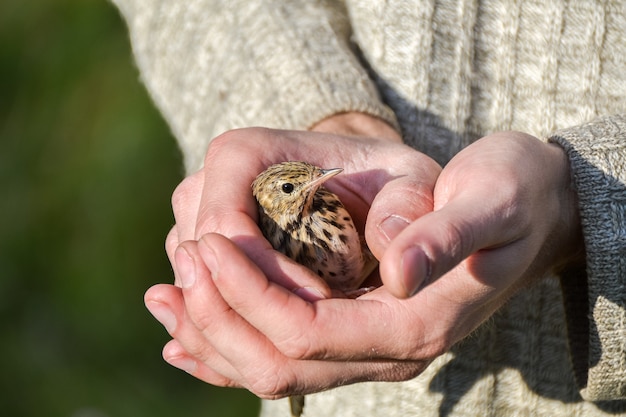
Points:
(218, 198)
(233, 327)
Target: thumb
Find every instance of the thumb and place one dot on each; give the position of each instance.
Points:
(398, 203)
(437, 242)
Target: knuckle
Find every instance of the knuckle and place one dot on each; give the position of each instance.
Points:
(301, 342)
(424, 353)
(270, 388)
(459, 241)
(224, 144)
(204, 320)
(188, 345)
(515, 219)
(422, 341)
(299, 347)
(216, 218)
(210, 220)
(171, 242)
(513, 208)
(436, 347)
(200, 351)
(217, 145)
(185, 190)
(405, 197)
(277, 382)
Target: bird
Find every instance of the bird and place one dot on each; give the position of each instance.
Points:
(309, 224)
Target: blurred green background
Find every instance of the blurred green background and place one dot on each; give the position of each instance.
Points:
(87, 167)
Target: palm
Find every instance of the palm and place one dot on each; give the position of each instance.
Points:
(367, 168)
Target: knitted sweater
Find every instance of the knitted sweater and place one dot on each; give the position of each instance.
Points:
(445, 73)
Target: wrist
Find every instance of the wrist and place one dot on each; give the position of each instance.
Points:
(358, 124)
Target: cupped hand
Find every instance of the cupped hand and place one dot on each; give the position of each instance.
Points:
(218, 198)
(233, 327)
(217, 203)
(503, 213)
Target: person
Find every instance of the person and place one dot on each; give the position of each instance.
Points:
(483, 149)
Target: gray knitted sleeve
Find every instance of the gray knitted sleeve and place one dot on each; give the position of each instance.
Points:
(596, 300)
(213, 65)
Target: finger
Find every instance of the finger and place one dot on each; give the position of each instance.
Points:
(439, 241)
(224, 340)
(224, 202)
(186, 203)
(397, 204)
(265, 370)
(171, 243)
(191, 352)
(335, 329)
(176, 355)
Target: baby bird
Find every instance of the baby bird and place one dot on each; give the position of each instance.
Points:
(309, 224)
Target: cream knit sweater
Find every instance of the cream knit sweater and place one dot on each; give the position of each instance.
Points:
(446, 73)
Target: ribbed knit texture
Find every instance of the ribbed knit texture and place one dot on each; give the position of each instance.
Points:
(599, 167)
(456, 70)
(268, 67)
(448, 72)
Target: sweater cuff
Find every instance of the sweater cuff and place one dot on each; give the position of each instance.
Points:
(595, 298)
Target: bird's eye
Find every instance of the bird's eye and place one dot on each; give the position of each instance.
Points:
(287, 188)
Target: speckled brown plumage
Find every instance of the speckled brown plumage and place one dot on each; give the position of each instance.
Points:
(309, 224)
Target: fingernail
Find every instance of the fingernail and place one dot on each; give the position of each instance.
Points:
(183, 363)
(415, 270)
(186, 268)
(392, 226)
(163, 314)
(309, 293)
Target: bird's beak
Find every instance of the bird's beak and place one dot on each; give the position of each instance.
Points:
(324, 175)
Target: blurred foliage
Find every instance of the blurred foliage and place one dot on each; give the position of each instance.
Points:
(87, 167)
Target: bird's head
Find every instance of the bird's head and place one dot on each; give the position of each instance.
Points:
(284, 190)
